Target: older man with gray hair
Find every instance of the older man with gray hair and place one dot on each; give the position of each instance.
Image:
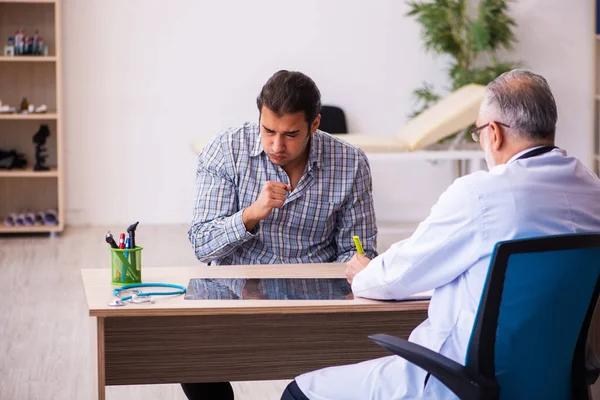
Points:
(532, 189)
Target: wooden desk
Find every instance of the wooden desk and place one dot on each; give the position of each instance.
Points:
(176, 340)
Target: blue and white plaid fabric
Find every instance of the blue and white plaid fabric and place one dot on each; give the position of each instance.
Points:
(332, 202)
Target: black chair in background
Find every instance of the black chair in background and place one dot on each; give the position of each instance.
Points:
(333, 120)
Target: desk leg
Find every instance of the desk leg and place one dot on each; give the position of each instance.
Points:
(97, 356)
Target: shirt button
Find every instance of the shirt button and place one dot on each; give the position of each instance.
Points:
(280, 229)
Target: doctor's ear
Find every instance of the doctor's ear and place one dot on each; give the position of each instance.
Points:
(495, 136)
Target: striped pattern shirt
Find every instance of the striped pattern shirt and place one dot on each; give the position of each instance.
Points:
(332, 202)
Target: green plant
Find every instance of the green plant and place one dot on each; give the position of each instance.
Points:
(469, 39)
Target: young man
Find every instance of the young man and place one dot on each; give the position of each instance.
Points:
(532, 189)
(280, 192)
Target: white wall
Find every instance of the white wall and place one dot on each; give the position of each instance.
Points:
(144, 78)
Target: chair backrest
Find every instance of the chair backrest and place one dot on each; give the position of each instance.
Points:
(333, 120)
(531, 327)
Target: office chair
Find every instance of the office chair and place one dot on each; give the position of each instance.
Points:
(530, 333)
(333, 120)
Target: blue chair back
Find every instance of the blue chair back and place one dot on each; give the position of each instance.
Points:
(531, 328)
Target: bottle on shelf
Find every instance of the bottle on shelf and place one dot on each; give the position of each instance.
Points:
(24, 105)
(19, 42)
(40, 47)
(34, 42)
(9, 48)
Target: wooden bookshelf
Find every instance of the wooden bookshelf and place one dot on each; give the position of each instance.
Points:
(38, 78)
(28, 59)
(29, 1)
(31, 229)
(43, 116)
(28, 173)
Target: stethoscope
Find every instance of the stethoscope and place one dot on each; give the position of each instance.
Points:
(132, 294)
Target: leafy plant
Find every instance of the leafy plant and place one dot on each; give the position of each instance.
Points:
(469, 37)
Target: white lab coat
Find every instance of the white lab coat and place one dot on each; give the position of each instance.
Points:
(450, 252)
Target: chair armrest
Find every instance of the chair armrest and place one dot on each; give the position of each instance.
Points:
(456, 377)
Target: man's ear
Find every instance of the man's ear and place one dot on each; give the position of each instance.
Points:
(315, 125)
(495, 136)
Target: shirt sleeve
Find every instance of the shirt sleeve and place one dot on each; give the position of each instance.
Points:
(358, 216)
(444, 245)
(217, 227)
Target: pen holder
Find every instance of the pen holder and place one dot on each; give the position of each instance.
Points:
(126, 265)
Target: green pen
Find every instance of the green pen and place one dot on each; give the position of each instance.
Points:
(358, 245)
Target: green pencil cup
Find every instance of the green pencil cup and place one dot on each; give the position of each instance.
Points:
(126, 265)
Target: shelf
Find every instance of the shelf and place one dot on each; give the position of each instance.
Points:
(28, 1)
(28, 173)
(27, 58)
(44, 116)
(30, 229)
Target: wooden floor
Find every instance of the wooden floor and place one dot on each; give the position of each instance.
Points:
(44, 326)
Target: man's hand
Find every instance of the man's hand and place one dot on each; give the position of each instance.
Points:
(271, 196)
(355, 265)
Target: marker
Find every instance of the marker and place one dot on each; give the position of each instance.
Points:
(358, 245)
(122, 241)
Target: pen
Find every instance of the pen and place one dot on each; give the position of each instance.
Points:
(127, 246)
(125, 253)
(358, 245)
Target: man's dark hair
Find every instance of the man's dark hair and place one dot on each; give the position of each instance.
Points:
(288, 92)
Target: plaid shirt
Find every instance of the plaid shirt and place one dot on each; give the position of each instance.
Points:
(332, 202)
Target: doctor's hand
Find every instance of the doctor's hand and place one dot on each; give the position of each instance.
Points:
(271, 196)
(355, 265)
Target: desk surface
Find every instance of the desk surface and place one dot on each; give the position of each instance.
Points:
(98, 291)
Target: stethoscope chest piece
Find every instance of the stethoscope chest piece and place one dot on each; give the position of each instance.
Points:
(116, 303)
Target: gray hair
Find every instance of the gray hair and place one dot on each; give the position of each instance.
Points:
(523, 100)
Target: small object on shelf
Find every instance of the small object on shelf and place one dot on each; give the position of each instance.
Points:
(9, 49)
(19, 42)
(24, 105)
(40, 150)
(39, 218)
(42, 49)
(6, 109)
(34, 42)
(12, 160)
(31, 108)
(9, 221)
(41, 109)
(51, 217)
(28, 218)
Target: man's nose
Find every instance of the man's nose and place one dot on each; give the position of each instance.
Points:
(278, 144)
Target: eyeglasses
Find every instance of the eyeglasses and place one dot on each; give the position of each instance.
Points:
(475, 131)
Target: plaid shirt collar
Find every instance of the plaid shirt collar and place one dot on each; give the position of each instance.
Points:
(315, 148)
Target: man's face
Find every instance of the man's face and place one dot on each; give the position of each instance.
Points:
(284, 139)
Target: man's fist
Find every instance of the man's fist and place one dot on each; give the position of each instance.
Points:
(271, 196)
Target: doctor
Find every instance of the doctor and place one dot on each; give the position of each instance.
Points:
(532, 189)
